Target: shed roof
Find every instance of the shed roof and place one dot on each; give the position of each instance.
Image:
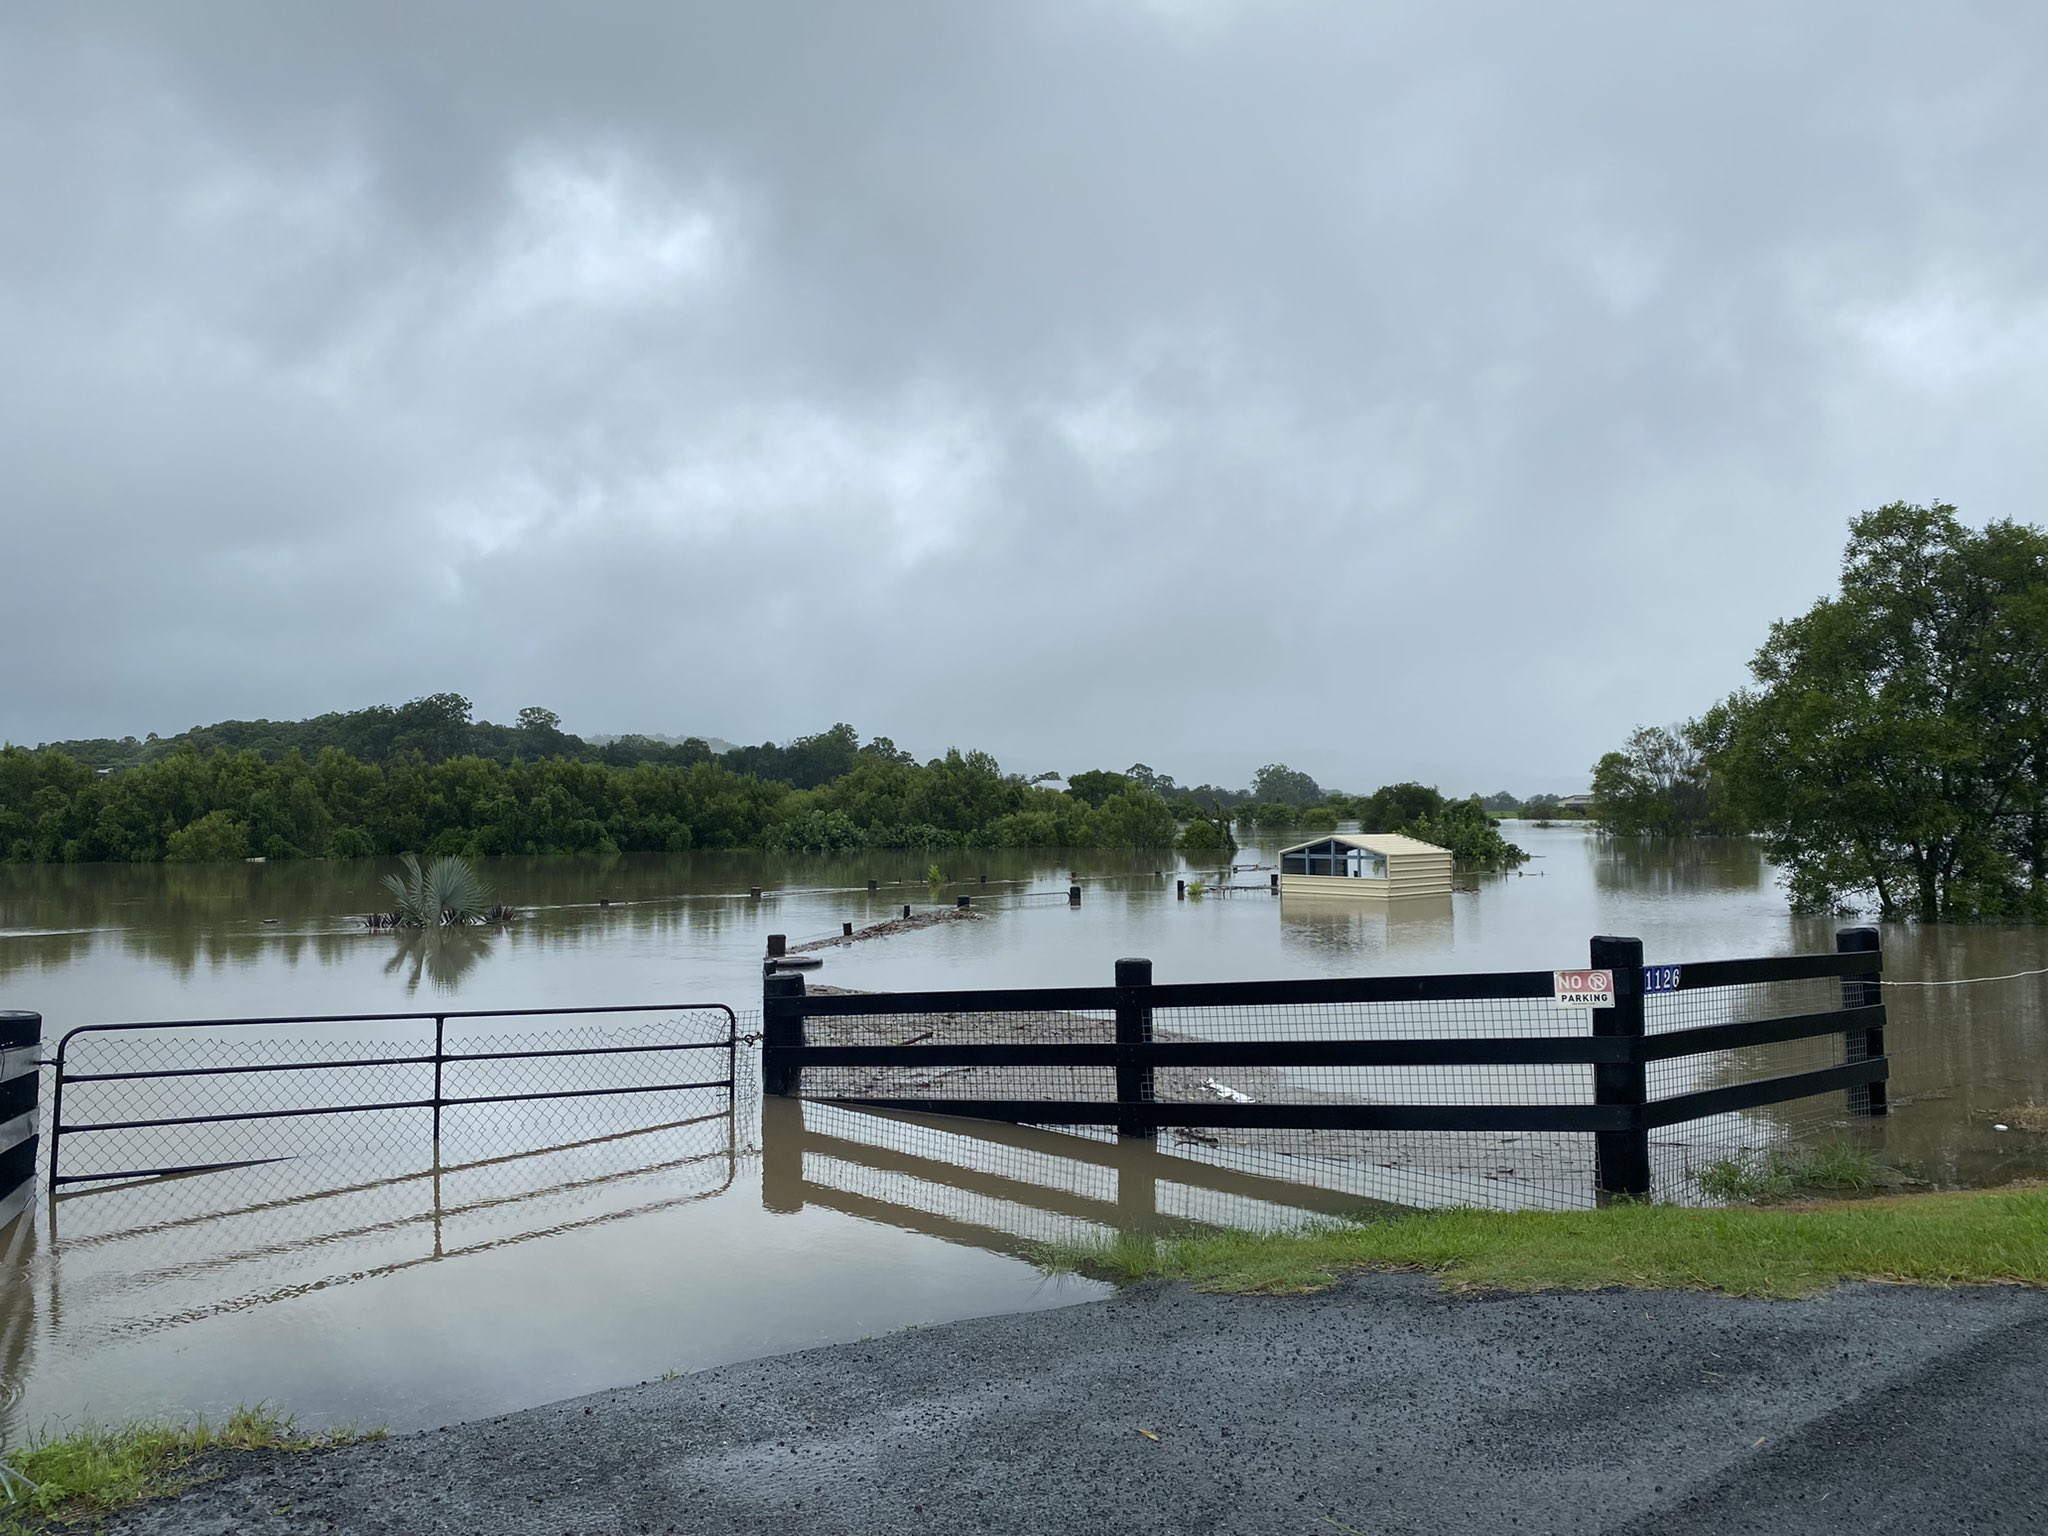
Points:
(1385, 843)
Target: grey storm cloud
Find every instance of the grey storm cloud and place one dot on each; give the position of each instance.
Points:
(1422, 391)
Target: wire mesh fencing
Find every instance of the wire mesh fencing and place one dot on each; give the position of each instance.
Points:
(1446, 1090)
(1693, 1159)
(144, 1101)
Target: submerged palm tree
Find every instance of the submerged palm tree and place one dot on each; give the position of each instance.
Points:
(447, 893)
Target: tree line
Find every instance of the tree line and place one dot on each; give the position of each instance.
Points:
(186, 807)
(824, 793)
(1891, 750)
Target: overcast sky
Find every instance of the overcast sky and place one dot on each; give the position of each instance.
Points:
(1427, 391)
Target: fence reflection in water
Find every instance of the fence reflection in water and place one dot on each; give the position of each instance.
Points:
(146, 1255)
(1008, 1188)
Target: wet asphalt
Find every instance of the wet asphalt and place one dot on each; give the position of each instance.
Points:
(1383, 1406)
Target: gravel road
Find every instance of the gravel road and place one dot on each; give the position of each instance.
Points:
(1383, 1406)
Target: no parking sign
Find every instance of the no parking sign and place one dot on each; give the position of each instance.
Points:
(1584, 989)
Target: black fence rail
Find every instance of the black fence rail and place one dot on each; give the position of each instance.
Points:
(149, 1100)
(1489, 1056)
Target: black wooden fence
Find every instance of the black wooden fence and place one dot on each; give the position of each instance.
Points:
(1108, 1052)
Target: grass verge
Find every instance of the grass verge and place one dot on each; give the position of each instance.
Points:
(1963, 1238)
(1833, 1168)
(55, 1480)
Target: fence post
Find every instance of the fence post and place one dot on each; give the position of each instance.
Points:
(21, 1040)
(1623, 1157)
(1134, 1027)
(782, 1032)
(440, 1043)
(1864, 990)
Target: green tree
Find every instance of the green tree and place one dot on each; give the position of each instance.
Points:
(1660, 784)
(1098, 784)
(1207, 834)
(1394, 807)
(1279, 783)
(1271, 816)
(1894, 745)
(213, 838)
(1472, 836)
(1160, 784)
(1134, 818)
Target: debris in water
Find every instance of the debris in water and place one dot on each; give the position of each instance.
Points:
(1225, 1091)
(895, 925)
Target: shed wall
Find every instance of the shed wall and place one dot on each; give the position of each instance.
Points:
(1338, 885)
(1419, 874)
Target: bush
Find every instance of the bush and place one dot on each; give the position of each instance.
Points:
(817, 832)
(350, 843)
(214, 838)
(1206, 836)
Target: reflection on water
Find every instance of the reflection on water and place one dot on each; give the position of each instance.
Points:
(374, 1284)
(409, 1288)
(443, 955)
(1009, 1188)
(123, 1261)
(1356, 929)
(1661, 868)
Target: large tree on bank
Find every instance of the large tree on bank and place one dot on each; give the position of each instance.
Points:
(1893, 748)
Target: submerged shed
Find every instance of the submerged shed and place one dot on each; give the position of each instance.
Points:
(1377, 866)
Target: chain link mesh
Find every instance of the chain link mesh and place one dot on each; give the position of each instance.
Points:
(272, 1092)
(1406, 1168)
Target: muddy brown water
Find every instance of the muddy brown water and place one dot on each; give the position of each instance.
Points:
(372, 1282)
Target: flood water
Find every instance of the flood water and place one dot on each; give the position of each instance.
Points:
(378, 1284)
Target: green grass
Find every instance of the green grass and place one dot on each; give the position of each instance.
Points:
(1833, 1168)
(1967, 1238)
(54, 1480)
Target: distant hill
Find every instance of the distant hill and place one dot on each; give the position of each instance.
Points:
(438, 726)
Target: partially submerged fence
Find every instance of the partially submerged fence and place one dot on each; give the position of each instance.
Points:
(1359, 1068)
(139, 1101)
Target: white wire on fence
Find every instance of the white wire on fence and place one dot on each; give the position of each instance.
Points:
(1968, 981)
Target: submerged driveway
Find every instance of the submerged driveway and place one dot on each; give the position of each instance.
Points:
(1381, 1406)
